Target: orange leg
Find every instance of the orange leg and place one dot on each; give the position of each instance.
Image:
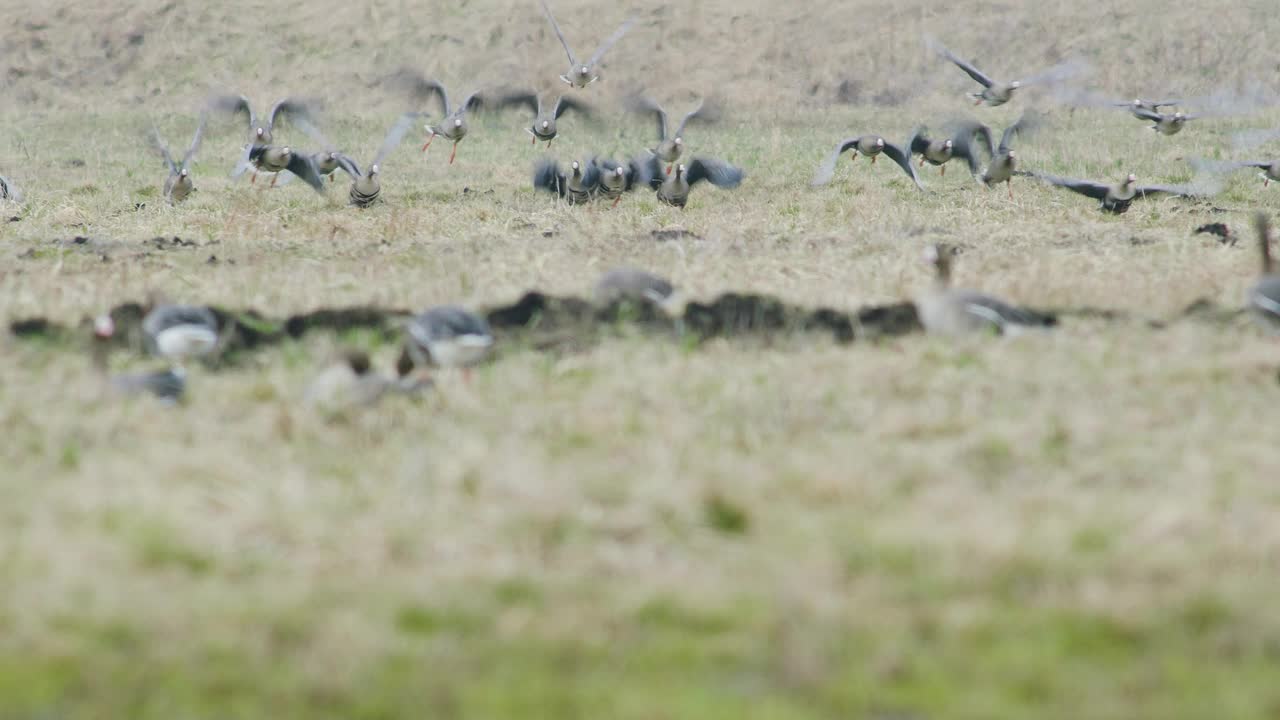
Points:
(873, 159)
(921, 161)
(1009, 184)
(253, 178)
(332, 175)
(668, 169)
(274, 178)
(977, 102)
(453, 154)
(533, 140)
(616, 201)
(427, 144)
(853, 156)
(944, 170)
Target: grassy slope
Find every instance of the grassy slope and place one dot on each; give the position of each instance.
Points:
(1073, 525)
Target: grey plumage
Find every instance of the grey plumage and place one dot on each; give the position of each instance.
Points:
(454, 126)
(177, 332)
(1118, 197)
(1263, 297)
(674, 189)
(544, 126)
(582, 74)
(1004, 160)
(448, 336)
(617, 178)
(628, 283)
(996, 92)
(177, 184)
(261, 133)
(945, 310)
(366, 187)
(871, 146)
(168, 385)
(576, 187)
(274, 159)
(1165, 123)
(671, 139)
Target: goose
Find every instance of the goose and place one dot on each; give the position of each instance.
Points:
(674, 189)
(177, 185)
(628, 283)
(670, 143)
(939, 151)
(1270, 169)
(1004, 161)
(544, 120)
(617, 178)
(1152, 106)
(167, 385)
(582, 74)
(275, 159)
(1263, 297)
(448, 336)
(180, 332)
(1117, 198)
(366, 187)
(261, 134)
(454, 125)
(349, 383)
(945, 310)
(871, 146)
(1165, 123)
(577, 187)
(329, 162)
(994, 92)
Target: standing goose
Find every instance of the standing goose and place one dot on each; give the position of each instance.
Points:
(628, 283)
(945, 310)
(1117, 198)
(1165, 123)
(177, 185)
(670, 144)
(1004, 161)
(1263, 297)
(454, 125)
(674, 189)
(578, 187)
(544, 119)
(366, 187)
(448, 336)
(179, 332)
(871, 146)
(582, 74)
(995, 93)
(617, 178)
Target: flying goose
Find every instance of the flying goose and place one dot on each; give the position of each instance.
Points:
(617, 178)
(582, 74)
(939, 151)
(670, 142)
(945, 310)
(994, 92)
(167, 385)
(674, 189)
(366, 187)
(179, 332)
(1004, 161)
(177, 185)
(260, 133)
(448, 336)
(1263, 297)
(628, 283)
(454, 125)
(275, 159)
(544, 120)
(1165, 123)
(328, 162)
(577, 187)
(1118, 197)
(1152, 106)
(871, 146)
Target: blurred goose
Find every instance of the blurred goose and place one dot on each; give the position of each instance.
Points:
(617, 178)
(366, 187)
(454, 125)
(276, 159)
(448, 336)
(8, 191)
(945, 310)
(575, 188)
(328, 162)
(582, 74)
(1263, 297)
(179, 332)
(167, 385)
(260, 133)
(670, 143)
(939, 151)
(674, 189)
(1118, 197)
(544, 120)
(628, 283)
(1004, 161)
(1270, 170)
(1165, 123)
(177, 185)
(347, 384)
(871, 146)
(1152, 106)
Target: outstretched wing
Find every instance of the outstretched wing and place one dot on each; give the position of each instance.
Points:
(395, 135)
(158, 143)
(645, 104)
(1062, 71)
(1187, 190)
(903, 160)
(520, 98)
(295, 111)
(196, 139)
(421, 87)
(547, 176)
(610, 41)
(970, 140)
(348, 165)
(300, 164)
(1027, 124)
(704, 111)
(973, 72)
(717, 172)
(564, 104)
(1145, 114)
(919, 141)
(827, 169)
(235, 105)
(1089, 188)
(556, 26)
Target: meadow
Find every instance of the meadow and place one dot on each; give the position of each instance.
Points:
(1077, 523)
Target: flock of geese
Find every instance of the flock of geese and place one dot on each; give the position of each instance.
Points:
(454, 337)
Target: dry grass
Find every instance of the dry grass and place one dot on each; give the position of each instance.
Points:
(1076, 524)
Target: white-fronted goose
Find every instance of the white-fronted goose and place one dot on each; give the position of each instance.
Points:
(350, 383)
(1004, 161)
(544, 119)
(276, 159)
(995, 92)
(1152, 106)
(328, 162)
(179, 332)
(1270, 170)
(939, 151)
(674, 189)
(177, 184)
(871, 146)
(454, 125)
(1165, 123)
(260, 133)
(670, 141)
(366, 187)
(945, 310)
(448, 336)
(628, 283)
(1118, 197)
(577, 187)
(617, 178)
(582, 74)
(1263, 297)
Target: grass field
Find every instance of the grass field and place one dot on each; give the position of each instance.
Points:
(1077, 524)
